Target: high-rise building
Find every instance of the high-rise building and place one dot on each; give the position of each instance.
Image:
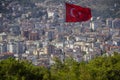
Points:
(16, 47)
(34, 35)
(20, 47)
(3, 36)
(116, 23)
(26, 33)
(94, 25)
(50, 49)
(3, 47)
(109, 22)
(11, 47)
(51, 35)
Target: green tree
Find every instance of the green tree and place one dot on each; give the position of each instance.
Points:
(105, 68)
(11, 69)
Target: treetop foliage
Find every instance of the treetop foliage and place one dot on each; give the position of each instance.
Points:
(100, 68)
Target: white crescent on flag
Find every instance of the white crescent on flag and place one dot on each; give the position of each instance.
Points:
(71, 12)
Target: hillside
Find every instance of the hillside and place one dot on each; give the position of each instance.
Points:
(103, 8)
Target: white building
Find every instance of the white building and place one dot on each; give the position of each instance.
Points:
(11, 47)
(3, 47)
(16, 47)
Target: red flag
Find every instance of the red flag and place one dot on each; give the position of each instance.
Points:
(75, 13)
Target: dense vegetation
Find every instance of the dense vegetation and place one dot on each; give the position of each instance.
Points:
(100, 68)
(11, 69)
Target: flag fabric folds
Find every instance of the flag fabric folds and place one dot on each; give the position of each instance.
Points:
(75, 13)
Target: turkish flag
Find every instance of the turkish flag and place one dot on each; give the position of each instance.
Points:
(75, 13)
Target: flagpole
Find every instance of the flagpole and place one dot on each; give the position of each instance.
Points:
(63, 53)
